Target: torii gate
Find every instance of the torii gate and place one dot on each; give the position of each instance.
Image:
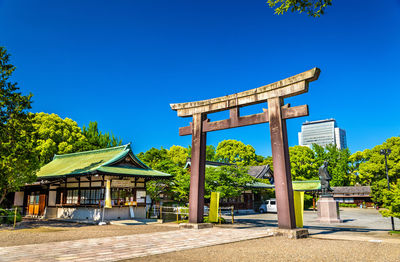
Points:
(276, 115)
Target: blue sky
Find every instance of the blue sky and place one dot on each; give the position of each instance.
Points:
(122, 63)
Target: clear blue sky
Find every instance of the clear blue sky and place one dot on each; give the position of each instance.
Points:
(122, 63)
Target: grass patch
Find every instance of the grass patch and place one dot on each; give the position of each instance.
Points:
(395, 232)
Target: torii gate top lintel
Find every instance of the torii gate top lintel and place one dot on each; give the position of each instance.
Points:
(288, 87)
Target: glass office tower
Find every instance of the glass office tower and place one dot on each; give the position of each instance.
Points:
(322, 132)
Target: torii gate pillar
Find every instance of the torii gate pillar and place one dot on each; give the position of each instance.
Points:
(276, 115)
(281, 161)
(198, 168)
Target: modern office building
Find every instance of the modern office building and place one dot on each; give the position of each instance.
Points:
(322, 132)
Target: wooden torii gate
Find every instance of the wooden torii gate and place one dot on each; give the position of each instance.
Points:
(276, 115)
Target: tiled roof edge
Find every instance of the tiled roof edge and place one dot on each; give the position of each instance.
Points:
(92, 151)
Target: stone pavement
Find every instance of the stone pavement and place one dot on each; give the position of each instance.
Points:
(131, 246)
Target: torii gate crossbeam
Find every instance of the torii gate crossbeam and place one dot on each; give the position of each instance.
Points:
(276, 115)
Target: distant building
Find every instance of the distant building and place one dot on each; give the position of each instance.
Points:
(322, 132)
(359, 195)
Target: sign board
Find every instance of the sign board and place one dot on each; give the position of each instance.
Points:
(122, 183)
(141, 196)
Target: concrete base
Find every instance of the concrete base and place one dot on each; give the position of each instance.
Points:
(195, 225)
(328, 211)
(290, 233)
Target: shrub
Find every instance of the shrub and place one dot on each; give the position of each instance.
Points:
(7, 216)
(347, 205)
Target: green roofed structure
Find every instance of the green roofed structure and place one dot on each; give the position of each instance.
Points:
(72, 186)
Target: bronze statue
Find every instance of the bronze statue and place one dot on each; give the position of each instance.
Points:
(325, 177)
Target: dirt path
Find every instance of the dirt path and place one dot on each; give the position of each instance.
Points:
(283, 249)
(35, 232)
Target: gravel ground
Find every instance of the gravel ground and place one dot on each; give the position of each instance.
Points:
(283, 249)
(35, 232)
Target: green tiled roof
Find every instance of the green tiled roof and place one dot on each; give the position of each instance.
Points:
(133, 171)
(96, 161)
(306, 185)
(257, 184)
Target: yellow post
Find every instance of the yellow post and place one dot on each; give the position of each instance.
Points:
(220, 216)
(298, 198)
(15, 217)
(233, 216)
(107, 201)
(177, 214)
(214, 207)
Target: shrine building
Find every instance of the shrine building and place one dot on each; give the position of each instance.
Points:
(72, 186)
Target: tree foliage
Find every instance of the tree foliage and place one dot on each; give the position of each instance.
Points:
(391, 200)
(54, 135)
(178, 155)
(303, 163)
(228, 180)
(372, 166)
(235, 152)
(339, 163)
(314, 8)
(18, 159)
(371, 170)
(97, 139)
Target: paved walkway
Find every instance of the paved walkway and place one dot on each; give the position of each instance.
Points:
(126, 247)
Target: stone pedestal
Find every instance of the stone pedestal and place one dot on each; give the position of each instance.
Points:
(290, 233)
(328, 211)
(195, 225)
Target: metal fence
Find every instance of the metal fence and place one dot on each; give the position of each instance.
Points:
(172, 213)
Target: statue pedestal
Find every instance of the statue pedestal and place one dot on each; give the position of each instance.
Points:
(328, 210)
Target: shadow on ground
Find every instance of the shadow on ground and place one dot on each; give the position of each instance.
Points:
(313, 229)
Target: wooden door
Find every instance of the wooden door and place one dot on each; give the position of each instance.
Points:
(36, 205)
(31, 204)
(42, 204)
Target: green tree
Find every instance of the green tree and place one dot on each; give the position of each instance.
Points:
(54, 135)
(314, 8)
(230, 181)
(377, 191)
(373, 168)
(18, 158)
(339, 163)
(97, 139)
(268, 161)
(235, 152)
(302, 162)
(161, 160)
(178, 155)
(210, 152)
(391, 200)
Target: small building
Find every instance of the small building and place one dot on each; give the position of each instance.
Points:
(72, 186)
(353, 195)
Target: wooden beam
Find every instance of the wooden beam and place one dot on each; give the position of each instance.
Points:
(288, 87)
(236, 121)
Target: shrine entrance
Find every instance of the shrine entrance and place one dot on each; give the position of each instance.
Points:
(276, 115)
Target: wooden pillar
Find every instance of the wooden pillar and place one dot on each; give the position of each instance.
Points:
(197, 173)
(281, 161)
